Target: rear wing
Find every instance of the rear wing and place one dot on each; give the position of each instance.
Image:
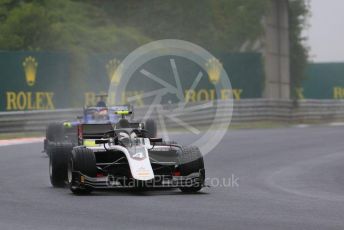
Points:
(92, 131)
(122, 110)
(111, 113)
(97, 131)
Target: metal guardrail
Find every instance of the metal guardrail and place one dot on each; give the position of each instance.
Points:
(34, 121)
(246, 110)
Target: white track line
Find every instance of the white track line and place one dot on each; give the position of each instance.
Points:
(302, 126)
(337, 124)
(20, 141)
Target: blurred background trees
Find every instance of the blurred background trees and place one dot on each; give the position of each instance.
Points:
(298, 16)
(62, 25)
(98, 26)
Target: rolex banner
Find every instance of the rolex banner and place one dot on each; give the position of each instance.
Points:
(323, 81)
(244, 70)
(33, 81)
(47, 80)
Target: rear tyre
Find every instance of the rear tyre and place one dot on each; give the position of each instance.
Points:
(53, 133)
(81, 160)
(58, 161)
(191, 161)
(151, 128)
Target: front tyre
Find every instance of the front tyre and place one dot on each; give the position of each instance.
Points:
(151, 128)
(191, 161)
(81, 160)
(58, 161)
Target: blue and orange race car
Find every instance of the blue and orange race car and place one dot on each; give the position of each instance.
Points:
(66, 131)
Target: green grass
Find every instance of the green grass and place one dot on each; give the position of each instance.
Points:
(4, 136)
(260, 125)
(246, 125)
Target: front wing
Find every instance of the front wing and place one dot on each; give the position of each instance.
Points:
(111, 182)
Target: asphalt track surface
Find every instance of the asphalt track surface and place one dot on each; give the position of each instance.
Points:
(290, 178)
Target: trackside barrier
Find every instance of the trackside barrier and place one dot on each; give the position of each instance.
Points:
(246, 110)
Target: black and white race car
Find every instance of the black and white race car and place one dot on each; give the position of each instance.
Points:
(122, 156)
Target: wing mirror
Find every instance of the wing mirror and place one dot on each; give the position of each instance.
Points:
(102, 141)
(155, 140)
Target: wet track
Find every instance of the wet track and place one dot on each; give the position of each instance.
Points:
(289, 178)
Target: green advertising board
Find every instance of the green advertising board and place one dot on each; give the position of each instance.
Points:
(323, 81)
(33, 81)
(245, 71)
(47, 80)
